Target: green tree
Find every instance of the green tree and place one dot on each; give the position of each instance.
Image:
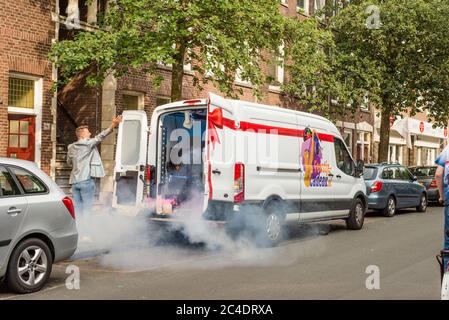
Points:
(309, 65)
(217, 36)
(397, 52)
(317, 75)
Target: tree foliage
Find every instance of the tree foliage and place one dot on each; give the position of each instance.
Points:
(401, 60)
(219, 37)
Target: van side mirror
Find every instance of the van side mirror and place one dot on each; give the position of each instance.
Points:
(359, 168)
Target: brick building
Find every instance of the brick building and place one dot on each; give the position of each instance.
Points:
(27, 108)
(38, 123)
(80, 105)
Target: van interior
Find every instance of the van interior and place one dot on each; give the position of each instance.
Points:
(180, 159)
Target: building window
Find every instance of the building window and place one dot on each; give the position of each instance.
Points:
(347, 137)
(238, 77)
(395, 153)
(133, 100)
(162, 100)
(318, 5)
(276, 70)
(21, 93)
(364, 106)
(363, 146)
(302, 6)
(130, 102)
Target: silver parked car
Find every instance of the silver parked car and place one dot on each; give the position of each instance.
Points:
(37, 225)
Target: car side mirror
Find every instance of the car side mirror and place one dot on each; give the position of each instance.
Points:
(359, 168)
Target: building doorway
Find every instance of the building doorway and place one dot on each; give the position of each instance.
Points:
(21, 137)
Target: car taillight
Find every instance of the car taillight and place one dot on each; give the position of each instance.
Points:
(376, 186)
(69, 205)
(239, 182)
(433, 184)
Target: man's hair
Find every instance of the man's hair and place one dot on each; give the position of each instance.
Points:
(79, 129)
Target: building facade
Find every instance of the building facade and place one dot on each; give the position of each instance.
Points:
(38, 123)
(414, 141)
(27, 102)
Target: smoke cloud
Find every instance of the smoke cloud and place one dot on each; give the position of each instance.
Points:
(128, 241)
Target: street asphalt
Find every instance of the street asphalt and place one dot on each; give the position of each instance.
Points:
(317, 261)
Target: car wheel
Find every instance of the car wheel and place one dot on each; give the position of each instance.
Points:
(390, 209)
(271, 227)
(356, 216)
(29, 266)
(422, 203)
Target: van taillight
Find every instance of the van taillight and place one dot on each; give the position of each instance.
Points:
(69, 205)
(192, 102)
(239, 182)
(433, 184)
(376, 186)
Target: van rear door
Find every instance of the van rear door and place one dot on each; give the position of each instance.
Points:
(130, 159)
(220, 150)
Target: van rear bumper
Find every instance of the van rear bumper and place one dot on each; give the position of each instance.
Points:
(176, 220)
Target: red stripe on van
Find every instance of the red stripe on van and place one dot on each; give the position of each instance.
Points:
(249, 126)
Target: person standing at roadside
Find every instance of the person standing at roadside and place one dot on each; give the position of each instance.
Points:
(86, 164)
(442, 180)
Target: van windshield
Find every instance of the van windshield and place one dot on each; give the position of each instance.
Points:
(370, 173)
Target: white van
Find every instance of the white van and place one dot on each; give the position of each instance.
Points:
(232, 158)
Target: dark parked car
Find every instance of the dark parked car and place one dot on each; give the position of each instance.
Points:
(426, 176)
(391, 186)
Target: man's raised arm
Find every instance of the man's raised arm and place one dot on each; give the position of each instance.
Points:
(103, 134)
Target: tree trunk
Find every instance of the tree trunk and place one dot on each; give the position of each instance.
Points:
(384, 135)
(177, 73)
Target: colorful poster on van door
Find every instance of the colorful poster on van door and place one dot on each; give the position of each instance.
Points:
(316, 171)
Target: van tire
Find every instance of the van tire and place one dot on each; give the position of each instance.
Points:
(357, 215)
(271, 230)
(390, 208)
(422, 207)
(13, 279)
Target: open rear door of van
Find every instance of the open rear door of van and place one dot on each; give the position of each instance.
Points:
(220, 150)
(130, 159)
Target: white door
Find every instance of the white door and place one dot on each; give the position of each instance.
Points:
(220, 150)
(130, 159)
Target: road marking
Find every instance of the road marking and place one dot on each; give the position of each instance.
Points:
(34, 293)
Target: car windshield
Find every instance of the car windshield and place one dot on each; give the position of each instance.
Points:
(370, 173)
(424, 171)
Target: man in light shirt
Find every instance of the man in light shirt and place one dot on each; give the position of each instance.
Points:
(83, 155)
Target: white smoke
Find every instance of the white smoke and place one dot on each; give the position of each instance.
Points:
(121, 241)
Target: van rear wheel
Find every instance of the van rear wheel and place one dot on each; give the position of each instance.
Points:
(356, 216)
(271, 228)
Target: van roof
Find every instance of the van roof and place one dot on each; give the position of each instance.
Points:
(198, 102)
(278, 108)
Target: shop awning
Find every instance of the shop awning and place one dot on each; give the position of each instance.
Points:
(408, 126)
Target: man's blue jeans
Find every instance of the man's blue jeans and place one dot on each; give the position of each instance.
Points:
(83, 195)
